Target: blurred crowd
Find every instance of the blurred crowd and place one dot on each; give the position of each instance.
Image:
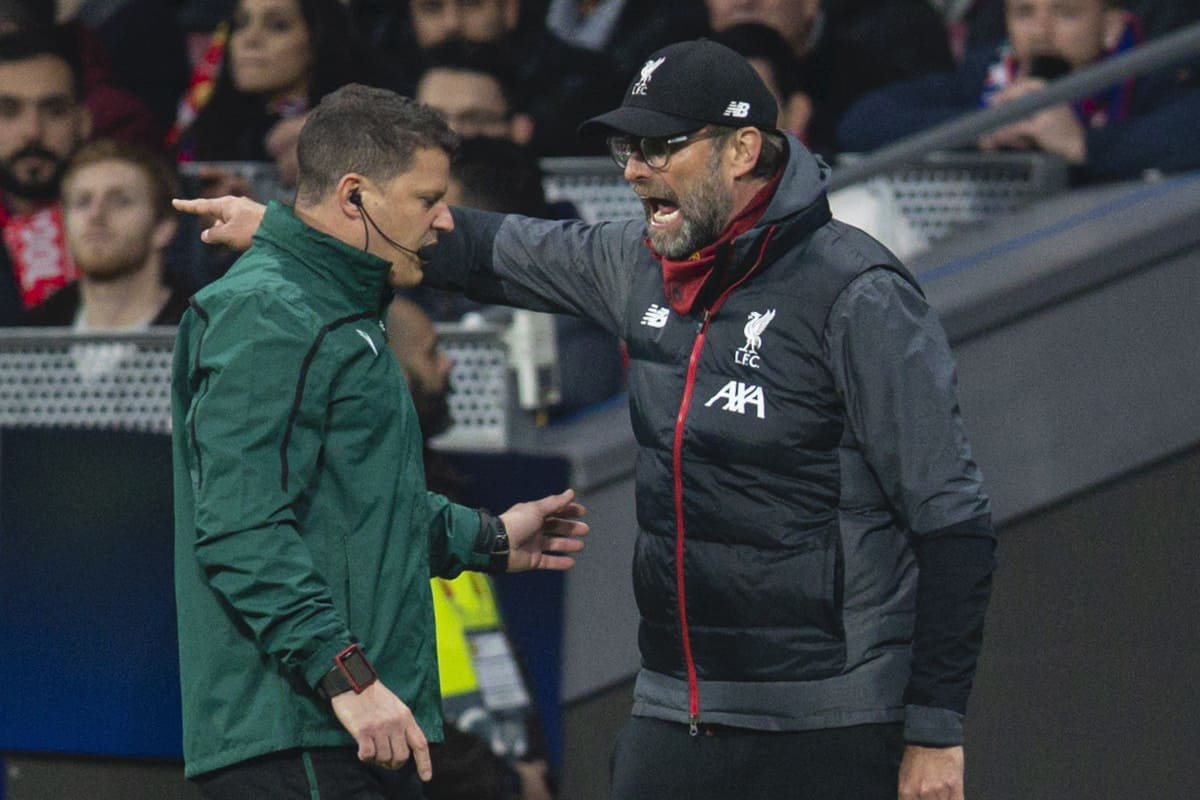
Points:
(108, 107)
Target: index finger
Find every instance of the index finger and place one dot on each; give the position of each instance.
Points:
(199, 205)
(572, 510)
(419, 748)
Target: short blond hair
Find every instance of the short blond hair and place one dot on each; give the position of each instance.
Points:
(161, 176)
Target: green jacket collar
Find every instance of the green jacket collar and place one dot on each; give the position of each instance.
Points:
(362, 276)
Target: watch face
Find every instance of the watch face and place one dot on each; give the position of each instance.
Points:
(357, 668)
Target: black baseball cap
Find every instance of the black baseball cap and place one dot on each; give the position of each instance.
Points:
(685, 86)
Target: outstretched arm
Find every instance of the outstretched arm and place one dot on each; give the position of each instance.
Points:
(237, 218)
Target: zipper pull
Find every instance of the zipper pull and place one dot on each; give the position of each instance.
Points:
(694, 725)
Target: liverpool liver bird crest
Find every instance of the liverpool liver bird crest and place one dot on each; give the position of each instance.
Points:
(754, 328)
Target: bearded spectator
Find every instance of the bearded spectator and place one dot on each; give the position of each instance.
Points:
(43, 121)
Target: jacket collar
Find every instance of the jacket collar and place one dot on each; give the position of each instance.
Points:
(797, 209)
(362, 277)
(804, 185)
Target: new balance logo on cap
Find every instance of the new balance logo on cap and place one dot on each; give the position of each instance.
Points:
(736, 109)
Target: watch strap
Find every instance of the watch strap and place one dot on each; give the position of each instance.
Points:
(498, 564)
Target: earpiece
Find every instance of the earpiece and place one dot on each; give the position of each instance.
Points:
(355, 198)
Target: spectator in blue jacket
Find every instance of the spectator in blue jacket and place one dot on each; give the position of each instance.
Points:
(1119, 132)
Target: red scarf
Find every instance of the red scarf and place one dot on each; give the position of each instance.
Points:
(200, 88)
(684, 280)
(37, 248)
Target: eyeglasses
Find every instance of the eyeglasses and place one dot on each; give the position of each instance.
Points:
(656, 151)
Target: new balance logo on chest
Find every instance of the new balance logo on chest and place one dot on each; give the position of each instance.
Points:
(656, 316)
(738, 395)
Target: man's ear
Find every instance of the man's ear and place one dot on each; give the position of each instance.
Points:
(164, 232)
(746, 146)
(349, 194)
(521, 128)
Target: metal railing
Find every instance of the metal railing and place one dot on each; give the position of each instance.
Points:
(55, 377)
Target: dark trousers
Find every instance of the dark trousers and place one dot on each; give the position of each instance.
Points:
(654, 759)
(323, 773)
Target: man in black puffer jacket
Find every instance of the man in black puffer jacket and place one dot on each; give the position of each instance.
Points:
(815, 550)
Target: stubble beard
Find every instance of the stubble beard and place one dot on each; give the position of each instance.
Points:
(111, 266)
(704, 213)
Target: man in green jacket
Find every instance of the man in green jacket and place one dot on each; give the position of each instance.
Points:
(305, 536)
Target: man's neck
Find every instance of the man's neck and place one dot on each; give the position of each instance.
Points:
(130, 301)
(743, 192)
(323, 217)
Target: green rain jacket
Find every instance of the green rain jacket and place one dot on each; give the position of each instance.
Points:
(302, 522)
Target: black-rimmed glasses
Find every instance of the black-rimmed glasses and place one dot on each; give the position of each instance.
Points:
(656, 151)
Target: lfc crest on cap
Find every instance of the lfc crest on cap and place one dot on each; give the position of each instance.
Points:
(647, 71)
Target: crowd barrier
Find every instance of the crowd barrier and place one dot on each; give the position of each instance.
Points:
(936, 194)
(52, 378)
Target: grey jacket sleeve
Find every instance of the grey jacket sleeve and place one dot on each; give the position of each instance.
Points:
(894, 369)
(544, 265)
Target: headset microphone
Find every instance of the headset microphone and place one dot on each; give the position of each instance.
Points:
(355, 197)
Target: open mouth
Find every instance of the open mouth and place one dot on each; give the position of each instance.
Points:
(661, 213)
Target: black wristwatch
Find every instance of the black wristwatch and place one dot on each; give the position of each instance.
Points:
(351, 672)
(499, 562)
